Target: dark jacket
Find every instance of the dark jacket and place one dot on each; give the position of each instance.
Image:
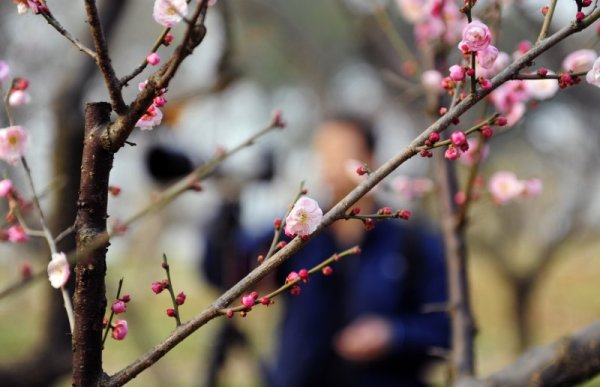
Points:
(398, 273)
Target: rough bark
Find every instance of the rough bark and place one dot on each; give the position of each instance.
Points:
(566, 362)
(90, 298)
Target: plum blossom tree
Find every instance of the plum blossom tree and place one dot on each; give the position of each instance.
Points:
(484, 76)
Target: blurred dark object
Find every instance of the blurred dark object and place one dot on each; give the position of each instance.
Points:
(166, 163)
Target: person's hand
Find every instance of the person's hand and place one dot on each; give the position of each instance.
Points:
(367, 338)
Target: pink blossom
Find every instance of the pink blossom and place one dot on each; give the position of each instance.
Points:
(152, 118)
(509, 99)
(212, 2)
(593, 76)
(169, 12)
(18, 98)
(411, 188)
(160, 101)
(412, 10)
(452, 153)
(6, 187)
(522, 47)
(580, 60)
(476, 36)
(504, 187)
(17, 234)
(180, 299)
(515, 114)
(533, 187)
(469, 156)
(304, 217)
(157, 287)
(142, 85)
(153, 58)
(120, 329)
(13, 141)
(4, 71)
(487, 57)
(457, 73)
(58, 270)
(429, 30)
(248, 301)
(25, 5)
(485, 83)
(432, 81)
(118, 307)
(501, 62)
(458, 138)
(542, 89)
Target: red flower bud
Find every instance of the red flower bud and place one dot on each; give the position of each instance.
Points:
(303, 273)
(404, 214)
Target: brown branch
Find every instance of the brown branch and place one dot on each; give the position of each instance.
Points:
(462, 357)
(166, 197)
(547, 21)
(116, 135)
(537, 77)
(63, 31)
(566, 362)
(103, 58)
(338, 210)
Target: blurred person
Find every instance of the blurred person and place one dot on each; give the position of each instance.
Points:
(363, 325)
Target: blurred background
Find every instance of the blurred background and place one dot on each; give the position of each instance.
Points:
(534, 263)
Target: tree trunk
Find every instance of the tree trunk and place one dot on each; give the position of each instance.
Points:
(90, 292)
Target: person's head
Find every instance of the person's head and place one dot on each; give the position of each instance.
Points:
(340, 138)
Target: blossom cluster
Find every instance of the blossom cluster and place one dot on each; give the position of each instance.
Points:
(119, 328)
(153, 116)
(433, 20)
(504, 186)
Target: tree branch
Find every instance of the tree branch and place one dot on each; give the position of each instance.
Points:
(46, 14)
(566, 362)
(119, 131)
(103, 58)
(340, 208)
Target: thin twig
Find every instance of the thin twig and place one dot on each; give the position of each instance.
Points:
(547, 21)
(537, 77)
(112, 313)
(401, 47)
(171, 290)
(288, 285)
(163, 199)
(46, 14)
(461, 217)
(142, 66)
(49, 239)
(278, 230)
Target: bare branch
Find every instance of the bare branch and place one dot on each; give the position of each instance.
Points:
(103, 58)
(566, 362)
(46, 14)
(138, 70)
